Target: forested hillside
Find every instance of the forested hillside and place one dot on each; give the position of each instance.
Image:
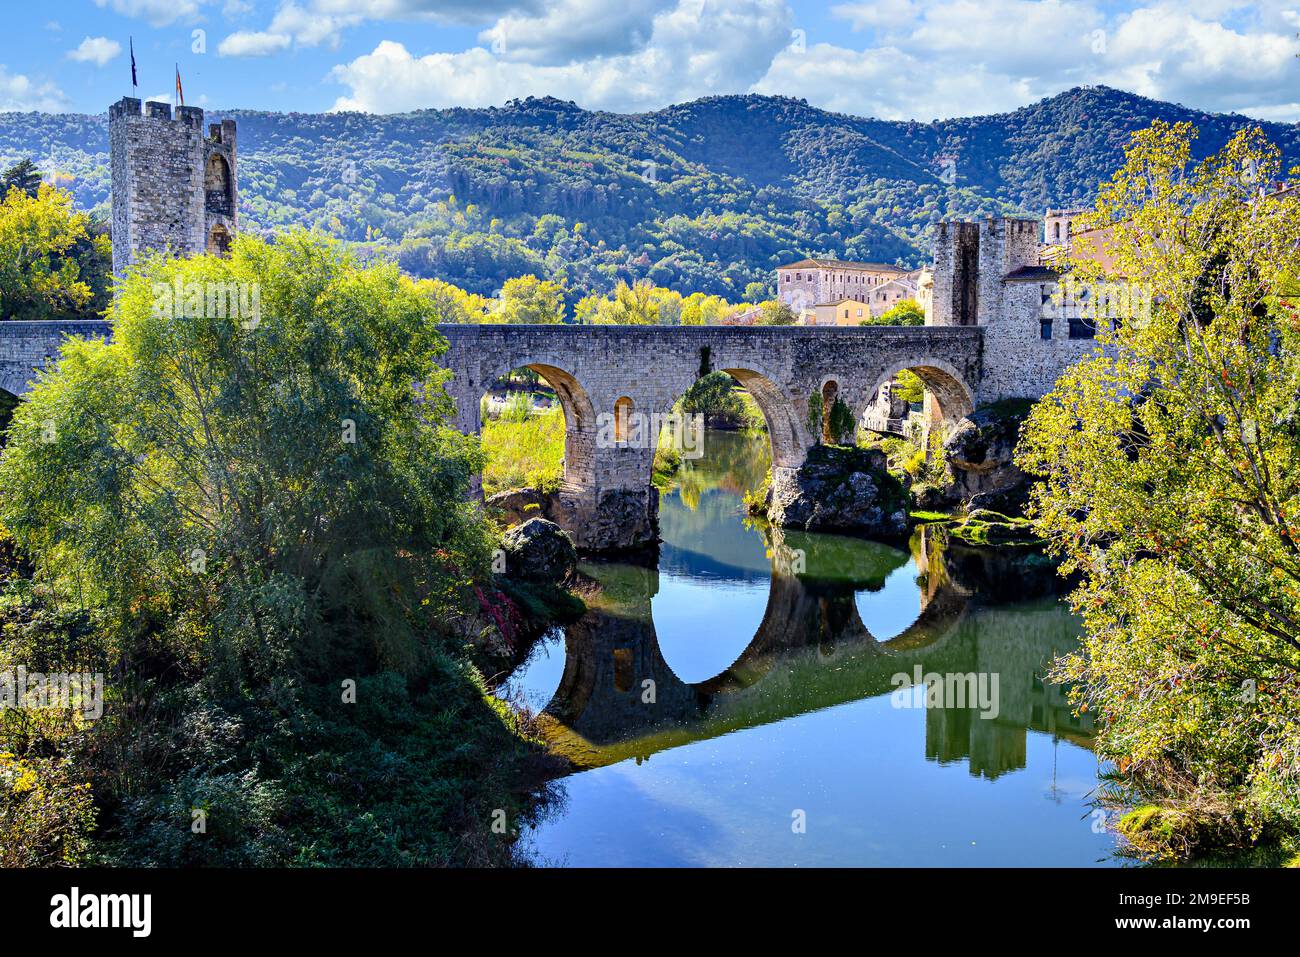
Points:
(706, 196)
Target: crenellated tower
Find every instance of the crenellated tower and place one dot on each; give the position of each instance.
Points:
(174, 188)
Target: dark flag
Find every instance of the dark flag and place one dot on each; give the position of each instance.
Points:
(134, 82)
(180, 94)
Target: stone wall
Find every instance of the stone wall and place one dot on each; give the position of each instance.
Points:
(955, 293)
(593, 367)
(1018, 361)
(26, 347)
(159, 166)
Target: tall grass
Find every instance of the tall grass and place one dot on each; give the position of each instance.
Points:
(525, 449)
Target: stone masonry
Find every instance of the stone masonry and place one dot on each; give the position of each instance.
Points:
(174, 188)
(607, 501)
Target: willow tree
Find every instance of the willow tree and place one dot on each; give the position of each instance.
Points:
(1170, 482)
(259, 459)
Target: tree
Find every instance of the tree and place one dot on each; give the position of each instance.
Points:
(816, 415)
(840, 423)
(23, 176)
(714, 396)
(632, 305)
(452, 303)
(273, 485)
(774, 313)
(1170, 485)
(527, 299)
(49, 257)
(905, 312)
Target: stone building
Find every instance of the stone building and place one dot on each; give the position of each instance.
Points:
(1058, 224)
(810, 282)
(174, 187)
(989, 274)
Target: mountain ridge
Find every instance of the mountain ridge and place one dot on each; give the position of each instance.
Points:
(707, 195)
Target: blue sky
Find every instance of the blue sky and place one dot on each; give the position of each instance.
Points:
(897, 59)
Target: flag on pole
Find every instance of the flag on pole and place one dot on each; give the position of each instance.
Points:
(134, 81)
(180, 94)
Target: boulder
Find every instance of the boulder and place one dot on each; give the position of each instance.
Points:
(609, 520)
(539, 551)
(980, 455)
(841, 489)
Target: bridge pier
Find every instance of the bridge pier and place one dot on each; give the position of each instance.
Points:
(615, 384)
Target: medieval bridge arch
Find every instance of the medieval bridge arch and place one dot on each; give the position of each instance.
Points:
(645, 369)
(607, 500)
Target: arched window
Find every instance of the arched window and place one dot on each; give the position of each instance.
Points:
(622, 416)
(217, 185)
(219, 240)
(1058, 230)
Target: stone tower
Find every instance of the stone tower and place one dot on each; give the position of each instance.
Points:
(955, 299)
(174, 188)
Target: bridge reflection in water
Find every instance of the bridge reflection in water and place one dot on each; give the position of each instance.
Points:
(619, 698)
(774, 691)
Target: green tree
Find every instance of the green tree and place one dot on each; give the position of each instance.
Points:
(1170, 485)
(272, 484)
(23, 176)
(527, 299)
(714, 396)
(637, 304)
(816, 415)
(49, 257)
(840, 423)
(774, 313)
(905, 312)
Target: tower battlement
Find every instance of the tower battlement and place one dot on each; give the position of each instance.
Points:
(174, 188)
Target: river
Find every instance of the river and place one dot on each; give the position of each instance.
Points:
(753, 700)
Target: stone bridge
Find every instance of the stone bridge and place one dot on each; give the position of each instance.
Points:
(639, 372)
(607, 500)
(27, 346)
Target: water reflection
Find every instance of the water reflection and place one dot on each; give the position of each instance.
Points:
(776, 690)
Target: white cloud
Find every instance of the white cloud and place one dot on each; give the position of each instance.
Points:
(962, 57)
(310, 23)
(892, 58)
(311, 28)
(694, 49)
(96, 50)
(20, 94)
(159, 13)
(573, 30)
(245, 43)
(443, 11)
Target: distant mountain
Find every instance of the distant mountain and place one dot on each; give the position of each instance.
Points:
(705, 196)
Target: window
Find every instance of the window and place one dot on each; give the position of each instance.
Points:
(1045, 328)
(622, 413)
(1082, 328)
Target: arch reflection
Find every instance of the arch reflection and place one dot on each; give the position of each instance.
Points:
(619, 698)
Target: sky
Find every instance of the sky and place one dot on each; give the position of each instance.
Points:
(895, 59)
